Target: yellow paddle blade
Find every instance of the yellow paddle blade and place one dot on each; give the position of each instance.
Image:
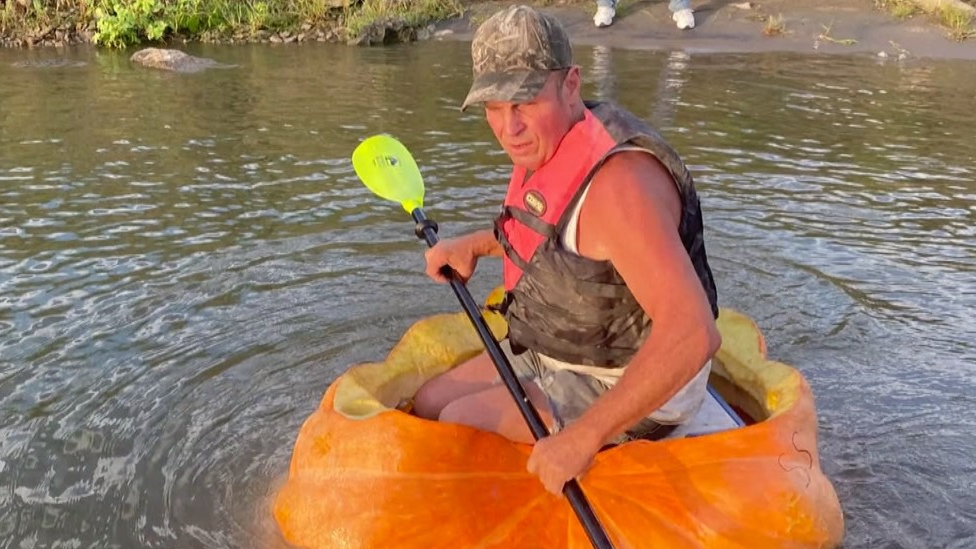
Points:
(386, 167)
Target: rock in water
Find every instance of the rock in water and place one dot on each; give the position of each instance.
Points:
(172, 60)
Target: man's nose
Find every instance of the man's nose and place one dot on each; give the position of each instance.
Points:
(513, 122)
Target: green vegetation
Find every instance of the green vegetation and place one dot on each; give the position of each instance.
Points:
(24, 16)
(958, 22)
(125, 22)
(410, 12)
(774, 26)
(899, 8)
(121, 23)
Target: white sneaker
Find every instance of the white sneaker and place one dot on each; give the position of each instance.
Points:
(684, 18)
(604, 16)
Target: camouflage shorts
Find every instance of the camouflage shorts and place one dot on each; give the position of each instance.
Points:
(570, 393)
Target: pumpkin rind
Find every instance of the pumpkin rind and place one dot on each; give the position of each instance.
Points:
(365, 475)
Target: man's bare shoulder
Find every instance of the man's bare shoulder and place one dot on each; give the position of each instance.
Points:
(634, 194)
(630, 176)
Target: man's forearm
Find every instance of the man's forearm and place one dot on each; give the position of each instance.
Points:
(484, 243)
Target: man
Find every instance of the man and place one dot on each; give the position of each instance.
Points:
(681, 13)
(610, 301)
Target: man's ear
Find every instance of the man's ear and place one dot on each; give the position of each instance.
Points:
(573, 82)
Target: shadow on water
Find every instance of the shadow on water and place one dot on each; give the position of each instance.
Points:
(186, 261)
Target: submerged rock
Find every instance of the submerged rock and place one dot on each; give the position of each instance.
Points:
(53, 63)
(173, 60)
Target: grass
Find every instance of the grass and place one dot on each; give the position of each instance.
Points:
(827, 36)
(774, 26)
(901, 9)
(122, 23)
(957, 22)
(411, 12)
(16, 16)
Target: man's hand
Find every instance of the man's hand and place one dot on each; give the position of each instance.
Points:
(455, 253)
(558, 458)
(460, 254)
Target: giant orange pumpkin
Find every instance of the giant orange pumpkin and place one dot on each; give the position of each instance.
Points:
(366, 475)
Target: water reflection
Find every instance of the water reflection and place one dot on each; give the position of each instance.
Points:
(187, 261)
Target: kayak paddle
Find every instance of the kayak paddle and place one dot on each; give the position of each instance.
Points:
(386, 167)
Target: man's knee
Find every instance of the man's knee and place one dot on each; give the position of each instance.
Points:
(469, 378)
(495, 410)
(428, 402)
(460, 411)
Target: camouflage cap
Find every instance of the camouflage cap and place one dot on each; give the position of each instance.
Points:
(513, 53)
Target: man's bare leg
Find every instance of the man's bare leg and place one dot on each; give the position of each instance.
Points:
(472, 394)
(472, 376)
(494, 409)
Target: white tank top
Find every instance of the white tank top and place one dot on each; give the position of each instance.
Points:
(683, 405)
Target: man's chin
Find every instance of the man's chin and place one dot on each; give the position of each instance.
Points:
(527, 161)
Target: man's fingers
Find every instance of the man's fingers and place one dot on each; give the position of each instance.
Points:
(443, 262)
(553, 484)
(435, 265)
(431, 271)
(445, 273)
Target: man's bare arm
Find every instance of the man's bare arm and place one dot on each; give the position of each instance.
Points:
(630, 217)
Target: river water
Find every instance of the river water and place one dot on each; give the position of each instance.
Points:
(187, 261)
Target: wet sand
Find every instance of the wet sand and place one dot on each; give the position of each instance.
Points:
(724, 26)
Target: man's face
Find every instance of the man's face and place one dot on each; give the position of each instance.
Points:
(530, 131)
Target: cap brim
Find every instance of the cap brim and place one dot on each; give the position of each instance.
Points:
(505, 86)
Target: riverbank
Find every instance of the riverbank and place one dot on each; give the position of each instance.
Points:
(888, 28)
(126, 23)
(892, 30)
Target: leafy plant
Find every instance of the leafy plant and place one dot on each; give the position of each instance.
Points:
(185, 15)
(121, 23)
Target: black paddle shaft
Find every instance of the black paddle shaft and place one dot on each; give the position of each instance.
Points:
(427, 230)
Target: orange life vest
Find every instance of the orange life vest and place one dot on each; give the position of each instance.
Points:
(559, 303)
(546, 194)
